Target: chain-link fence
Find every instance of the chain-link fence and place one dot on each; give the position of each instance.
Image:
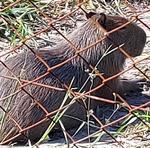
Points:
(64, 66)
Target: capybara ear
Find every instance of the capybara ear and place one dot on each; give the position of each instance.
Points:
(102, 20)
(90, 14)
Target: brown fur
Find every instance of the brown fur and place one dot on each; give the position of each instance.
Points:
(26, 112)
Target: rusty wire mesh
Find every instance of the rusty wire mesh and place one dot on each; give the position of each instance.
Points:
(26, 85)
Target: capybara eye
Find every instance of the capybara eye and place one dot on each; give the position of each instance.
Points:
(102, 20)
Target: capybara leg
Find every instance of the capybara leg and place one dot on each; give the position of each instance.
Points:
(130, 86)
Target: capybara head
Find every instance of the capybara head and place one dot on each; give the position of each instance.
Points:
(130, 37)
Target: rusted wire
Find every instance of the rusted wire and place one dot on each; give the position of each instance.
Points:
(78, 97)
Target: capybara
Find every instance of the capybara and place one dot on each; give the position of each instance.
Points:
(105, 55)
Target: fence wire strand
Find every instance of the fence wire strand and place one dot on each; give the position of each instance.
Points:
(26, 85)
